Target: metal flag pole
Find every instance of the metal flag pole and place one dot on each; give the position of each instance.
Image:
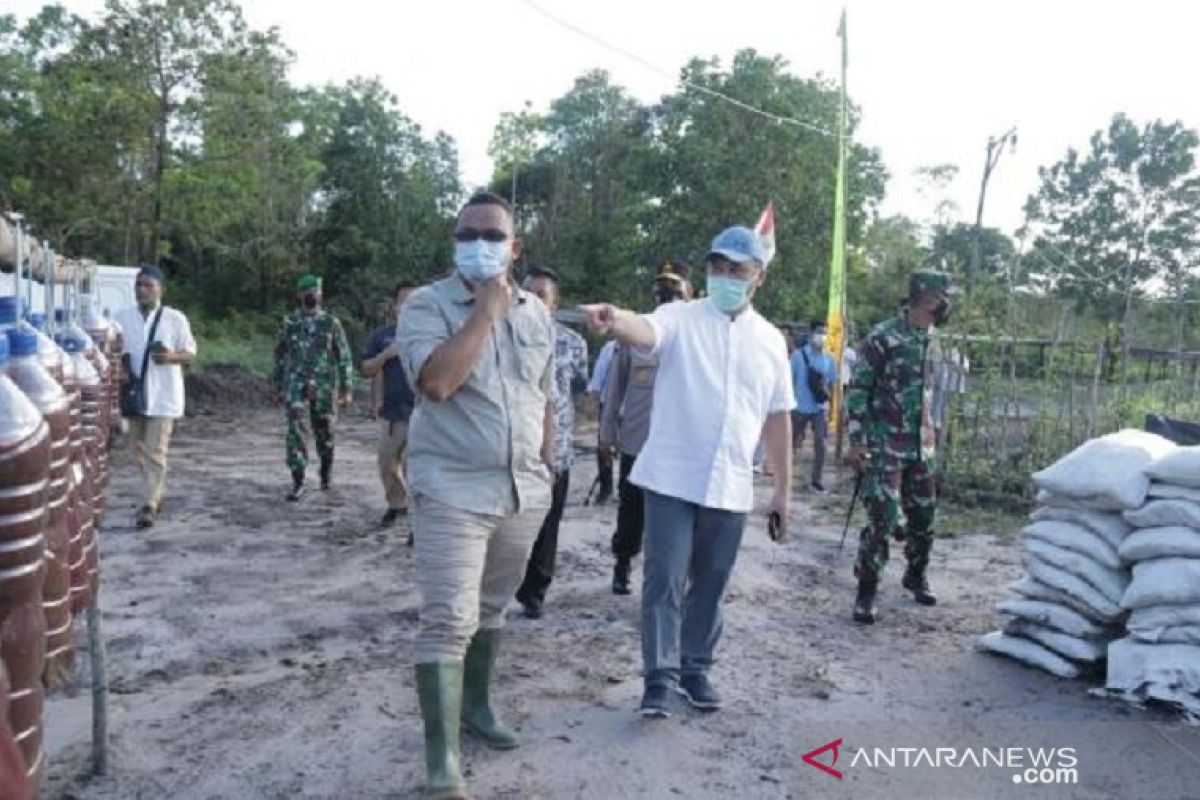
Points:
(19, 261)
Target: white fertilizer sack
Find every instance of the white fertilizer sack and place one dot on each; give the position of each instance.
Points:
(1064, 644)
(1164, 582)
(1054, 615)
(1161, 513)
(1076, 593)
(1109, 471)
(1028, 652)
(1149, 543)
(1109, 526)
(1180, 467)
(1112, 583)
(1077, 539)
(1177, 492)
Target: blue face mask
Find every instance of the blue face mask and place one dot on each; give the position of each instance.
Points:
(730, 295)
(481, 261)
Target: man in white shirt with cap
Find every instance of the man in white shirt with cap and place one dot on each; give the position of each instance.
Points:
(158, 338)
(723, 381)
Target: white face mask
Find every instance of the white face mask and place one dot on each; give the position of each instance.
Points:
(480, 260)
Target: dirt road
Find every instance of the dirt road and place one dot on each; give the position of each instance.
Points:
(259, 649)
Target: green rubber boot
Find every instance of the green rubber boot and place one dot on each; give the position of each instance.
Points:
(439, 688)
(477, 712)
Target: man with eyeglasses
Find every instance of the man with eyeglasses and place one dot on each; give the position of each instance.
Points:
(479, 352)
(723, 380)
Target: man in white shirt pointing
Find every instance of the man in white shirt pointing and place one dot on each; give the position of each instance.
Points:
(723, 382)
(160, 339)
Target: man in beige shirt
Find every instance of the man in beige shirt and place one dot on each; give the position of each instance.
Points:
(479, 353)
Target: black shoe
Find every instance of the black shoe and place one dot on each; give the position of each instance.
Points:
(699, 692)
(391, 515)
(145, 517)
(919, 586)
(864, 603)
(818, 488)
(656, 702)
(532, 608)
(620, 583)
(604, 495)
(297, 486)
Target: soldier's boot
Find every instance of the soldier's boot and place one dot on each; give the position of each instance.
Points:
(297, 486)
(620, 581)
(864, 602)
(916, 583)
(326, 471)
(440, 689)
(477, 713)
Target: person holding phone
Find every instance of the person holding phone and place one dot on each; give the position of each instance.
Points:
(158, 344)
(723, 382)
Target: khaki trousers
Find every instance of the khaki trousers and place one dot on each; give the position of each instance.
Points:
(151, 439)
(468, 567)
(391, 453)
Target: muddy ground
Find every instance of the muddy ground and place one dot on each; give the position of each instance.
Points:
(259, 649)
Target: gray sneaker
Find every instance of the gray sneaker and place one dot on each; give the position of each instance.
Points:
(699, 692)
(655, 702)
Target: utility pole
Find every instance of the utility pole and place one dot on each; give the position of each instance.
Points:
(995, 148)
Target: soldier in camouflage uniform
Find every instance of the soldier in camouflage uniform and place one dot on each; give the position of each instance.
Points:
(312, 370)
(892, 438)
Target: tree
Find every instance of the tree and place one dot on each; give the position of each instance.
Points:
(719, 165)
(384, 199)
(243, 192)
(953, 245)
(1121, 219)
(583, 192)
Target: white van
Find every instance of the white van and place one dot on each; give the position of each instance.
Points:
(113, 287)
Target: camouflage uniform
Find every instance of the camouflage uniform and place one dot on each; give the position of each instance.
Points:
(312, 360)
(888, 405)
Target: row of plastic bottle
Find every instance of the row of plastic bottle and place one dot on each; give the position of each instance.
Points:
(58, 392)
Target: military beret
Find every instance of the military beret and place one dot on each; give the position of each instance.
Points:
(930, 280)
(307, 283)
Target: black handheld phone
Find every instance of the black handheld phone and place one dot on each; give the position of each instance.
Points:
(774, 523)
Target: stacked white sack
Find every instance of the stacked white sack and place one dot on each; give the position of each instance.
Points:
(1068, 607)
(1160, 658)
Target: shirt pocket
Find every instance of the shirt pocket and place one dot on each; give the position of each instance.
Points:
(534, 349)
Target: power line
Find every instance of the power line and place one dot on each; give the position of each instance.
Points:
(659, 71)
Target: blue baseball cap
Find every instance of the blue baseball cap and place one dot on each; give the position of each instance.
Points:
(739, 245)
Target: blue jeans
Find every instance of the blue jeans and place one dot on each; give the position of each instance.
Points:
(689, 555)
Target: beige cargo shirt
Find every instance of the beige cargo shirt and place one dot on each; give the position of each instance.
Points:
(481, 449)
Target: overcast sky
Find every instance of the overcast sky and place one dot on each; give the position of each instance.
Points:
(934, 79)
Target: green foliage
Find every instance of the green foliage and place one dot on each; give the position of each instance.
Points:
(168, 131)
(613, 188)
(1123, 214)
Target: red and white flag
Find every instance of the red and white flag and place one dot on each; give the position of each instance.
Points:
(766, 230)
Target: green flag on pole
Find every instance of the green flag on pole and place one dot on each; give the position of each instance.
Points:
(837, 265)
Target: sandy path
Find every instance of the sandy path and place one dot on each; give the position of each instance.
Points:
(260, 649)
